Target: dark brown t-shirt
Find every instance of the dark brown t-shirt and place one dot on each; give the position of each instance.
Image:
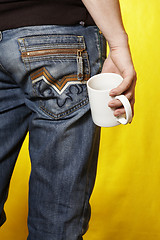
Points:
(19, 13)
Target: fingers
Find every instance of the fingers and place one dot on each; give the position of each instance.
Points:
(127, 87)
(120, 110)
(129, 94)
(117, 106)
(119, 61)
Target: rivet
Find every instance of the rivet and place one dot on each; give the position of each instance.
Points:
(82, 23)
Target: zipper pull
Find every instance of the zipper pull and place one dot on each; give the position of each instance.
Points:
(80, 64)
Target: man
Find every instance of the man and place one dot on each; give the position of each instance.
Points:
(48, 50)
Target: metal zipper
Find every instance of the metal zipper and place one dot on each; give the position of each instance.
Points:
(79, 65)
(43, 52)
(78, 52)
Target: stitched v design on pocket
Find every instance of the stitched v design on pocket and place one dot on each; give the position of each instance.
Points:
(58, 67)
(58, 85)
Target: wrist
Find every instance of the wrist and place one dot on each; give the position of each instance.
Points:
(118, 39)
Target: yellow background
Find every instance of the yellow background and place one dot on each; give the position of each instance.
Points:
(126, 198)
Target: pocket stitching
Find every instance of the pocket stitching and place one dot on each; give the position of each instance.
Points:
(67, 112)
(27, 61)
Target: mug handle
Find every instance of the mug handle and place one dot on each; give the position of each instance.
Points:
(127, 106)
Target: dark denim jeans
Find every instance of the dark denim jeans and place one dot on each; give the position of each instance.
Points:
(43, 74)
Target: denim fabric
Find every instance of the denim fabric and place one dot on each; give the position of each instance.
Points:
(43, 74)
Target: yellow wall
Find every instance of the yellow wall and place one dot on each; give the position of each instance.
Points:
(126, 198)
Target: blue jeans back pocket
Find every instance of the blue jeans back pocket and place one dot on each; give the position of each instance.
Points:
(58, 66)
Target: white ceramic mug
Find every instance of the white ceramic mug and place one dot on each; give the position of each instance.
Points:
(99, 87)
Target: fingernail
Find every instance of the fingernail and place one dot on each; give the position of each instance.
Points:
(117, 114)
(111, 104)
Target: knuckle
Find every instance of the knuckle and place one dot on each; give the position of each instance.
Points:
(134, 75)
(129, 95)
(132, 101)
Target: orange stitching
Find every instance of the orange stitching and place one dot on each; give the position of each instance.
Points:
(61, 83)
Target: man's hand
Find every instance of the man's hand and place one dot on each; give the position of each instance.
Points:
(119, 61)
(107, 16)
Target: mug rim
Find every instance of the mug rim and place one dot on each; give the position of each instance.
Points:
(101, 74)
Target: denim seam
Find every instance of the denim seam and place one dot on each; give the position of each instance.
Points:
(79, 43)
(39, 59)
(26, 50)
(84, 205)
(100, 49)
(89, 70)
(20, 47)
(57, 35)
(8, 73)
(83, 231)
(64, 114)
(2, 67)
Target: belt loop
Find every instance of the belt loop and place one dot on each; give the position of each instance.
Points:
(0, 36)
